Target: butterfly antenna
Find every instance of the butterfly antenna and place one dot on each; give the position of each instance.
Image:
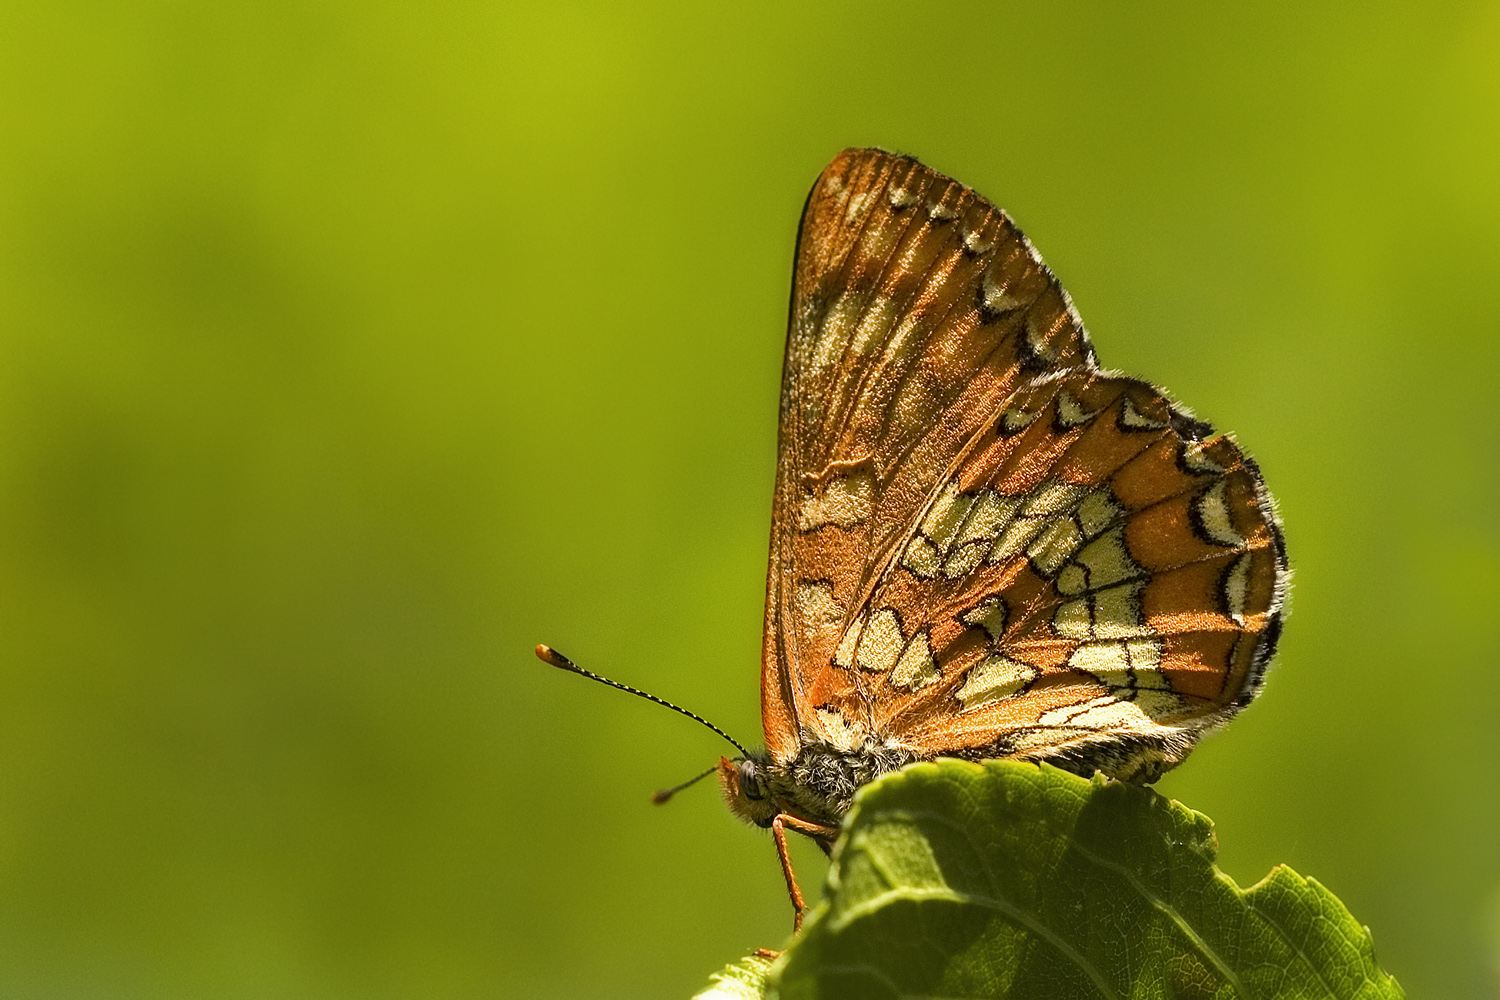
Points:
(553, 658)
(662, 796)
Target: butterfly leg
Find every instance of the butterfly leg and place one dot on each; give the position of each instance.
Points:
(778, 828)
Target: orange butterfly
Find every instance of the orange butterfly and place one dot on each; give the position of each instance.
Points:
(983, 545)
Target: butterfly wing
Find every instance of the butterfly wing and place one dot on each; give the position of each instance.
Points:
(939, 392)
(917, 309)
(1097, 584)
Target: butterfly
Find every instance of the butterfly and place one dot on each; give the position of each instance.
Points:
(983, 545)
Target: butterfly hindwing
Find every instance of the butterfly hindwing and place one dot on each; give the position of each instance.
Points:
(1095, 573)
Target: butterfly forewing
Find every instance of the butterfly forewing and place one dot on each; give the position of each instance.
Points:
(982, 543)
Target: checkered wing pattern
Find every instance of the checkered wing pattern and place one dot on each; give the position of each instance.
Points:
(982, 544)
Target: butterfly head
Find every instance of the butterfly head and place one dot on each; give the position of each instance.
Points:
(747, 788)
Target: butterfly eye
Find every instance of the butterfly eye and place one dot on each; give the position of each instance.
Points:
(750, 785)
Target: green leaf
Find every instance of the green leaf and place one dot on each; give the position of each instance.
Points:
(1012, 880)
(745, 980)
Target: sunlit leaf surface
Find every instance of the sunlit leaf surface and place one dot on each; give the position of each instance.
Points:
(1010, 880)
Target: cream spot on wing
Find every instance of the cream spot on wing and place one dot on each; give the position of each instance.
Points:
(1053, 497)
(1195, 459)
(1038, 336)
(1213, 514)
(916, 668)
(1137, 712)
(1074, 619)
(881, 643)
(1237, 587)
(995, 294)
(1117, 613)
(989, 615)
(1070, 412)
(1040, 507)
(1071, 580)
(986, 517)
(1114, 613)
(941, 212)
(976, 244)
(921, 558)
(1052, 525)
(1017, 535)
(962, 562)
(900, 197)
(842, 733)
(843, 656)
(975, 532)
(1014, 420)
(843, 500)
(992, 679)
(1112, 662)
(1097, 510)
(1054, 545)
(1134, 419)
(957, 530)
(946, 514)
(1106, 712)
(1107, 561)
(816, 607)
(835, 328)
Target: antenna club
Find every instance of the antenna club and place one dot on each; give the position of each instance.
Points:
(553, 658)
(661, 796)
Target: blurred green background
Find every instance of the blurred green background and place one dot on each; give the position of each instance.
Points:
(349, 350)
